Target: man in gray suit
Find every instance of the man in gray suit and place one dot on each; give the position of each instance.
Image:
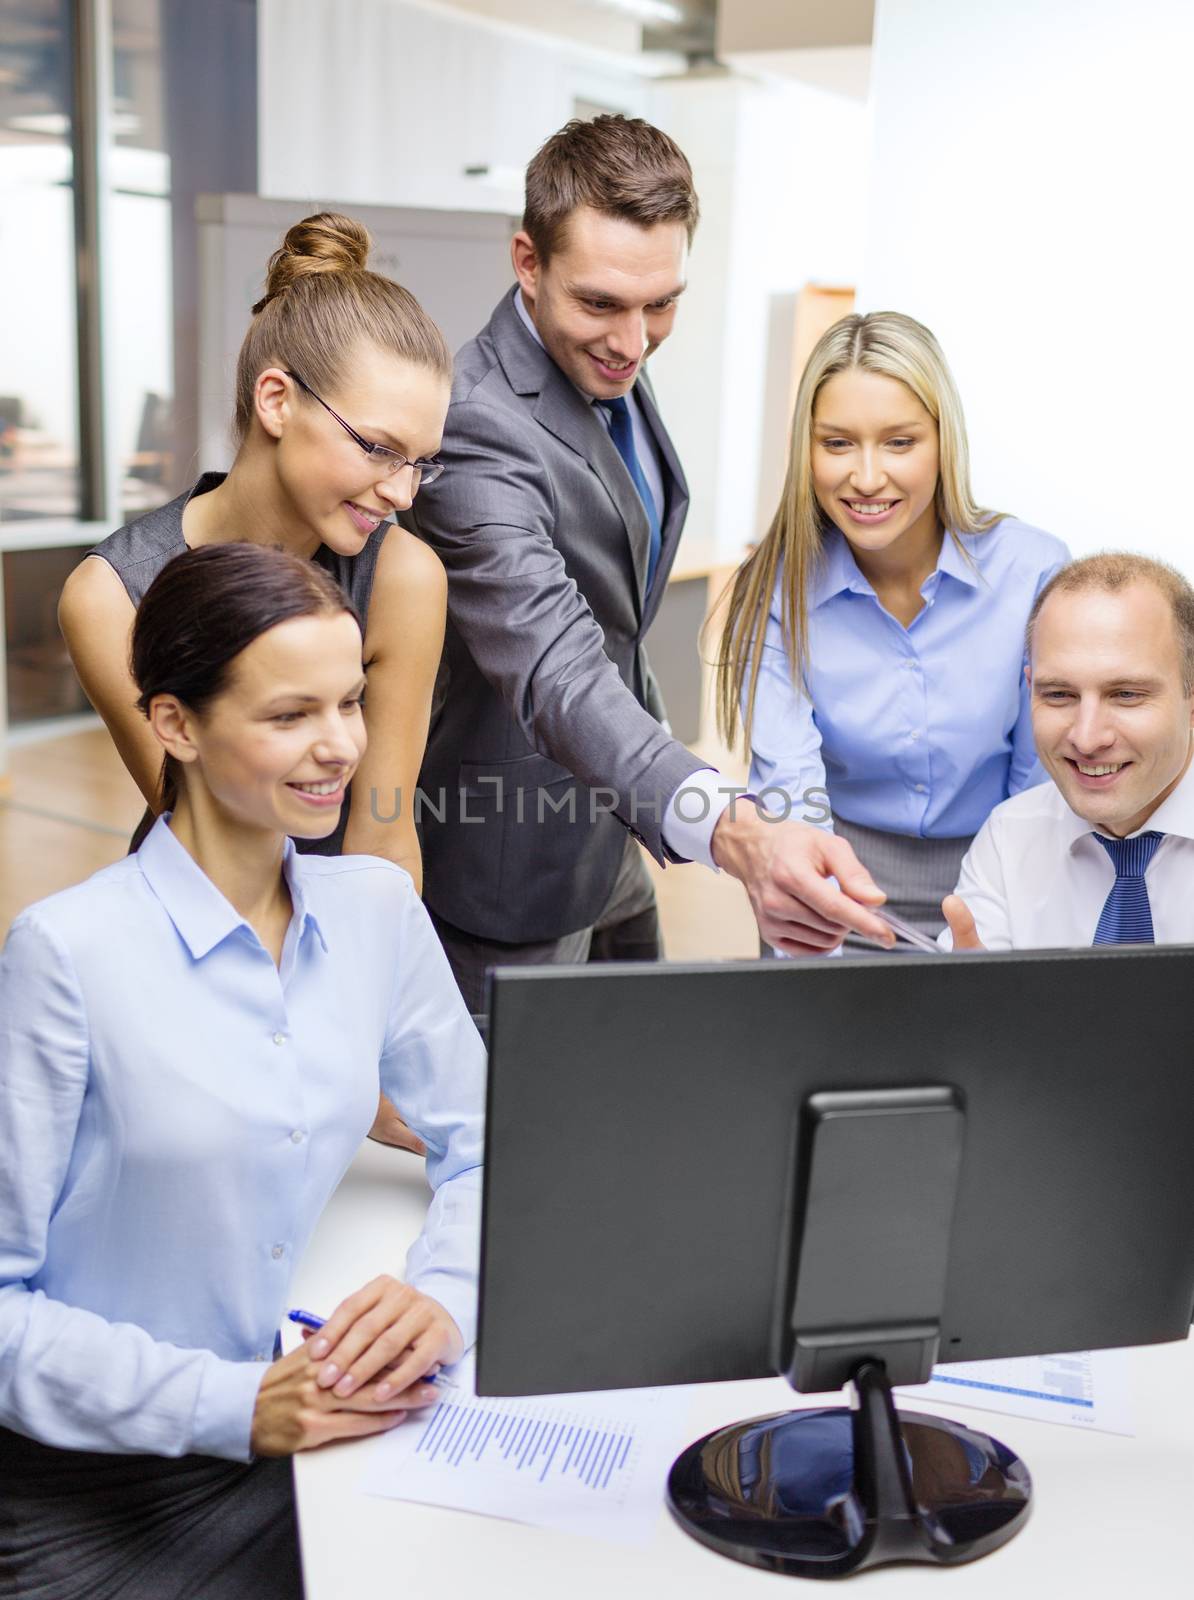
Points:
(549, 759)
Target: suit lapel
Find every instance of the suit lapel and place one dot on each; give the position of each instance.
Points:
(565, 413)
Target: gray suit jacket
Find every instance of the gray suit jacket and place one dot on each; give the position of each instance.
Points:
(545, 743)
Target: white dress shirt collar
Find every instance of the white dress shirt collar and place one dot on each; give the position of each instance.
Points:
(1036, 876)
(520, 306)
(1175, 815)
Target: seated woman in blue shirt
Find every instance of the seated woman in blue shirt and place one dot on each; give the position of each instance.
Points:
(191, 1047)
(874, 641)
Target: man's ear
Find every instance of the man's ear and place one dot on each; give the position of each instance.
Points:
(272, 400)
(527, 266)
(1028, 676)
(173, 726)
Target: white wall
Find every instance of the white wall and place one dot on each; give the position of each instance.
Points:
(776, 166)
(385, 102)
(1030, 183)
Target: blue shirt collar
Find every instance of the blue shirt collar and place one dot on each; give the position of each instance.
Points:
(838, 571)
(203, 917)
(957, 560)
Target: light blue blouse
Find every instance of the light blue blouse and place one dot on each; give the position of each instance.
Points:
(920, 730)
(175, 1112)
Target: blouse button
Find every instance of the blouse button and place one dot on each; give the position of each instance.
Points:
(279, 1038)
(278, 1251)
(297, 1136)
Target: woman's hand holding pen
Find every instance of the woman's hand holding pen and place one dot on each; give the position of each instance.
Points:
(324, 1391)
(387, 1329)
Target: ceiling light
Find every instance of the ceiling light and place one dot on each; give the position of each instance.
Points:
(644, 10)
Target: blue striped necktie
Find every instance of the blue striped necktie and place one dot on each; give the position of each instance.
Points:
(621, 428)
(1127, 917)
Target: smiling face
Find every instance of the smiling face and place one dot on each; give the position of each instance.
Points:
(607, 297)
(875, 461)
(277, 747)
(1111, 718)
(331, 487)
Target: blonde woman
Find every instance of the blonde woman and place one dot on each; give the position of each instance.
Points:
(874, 642)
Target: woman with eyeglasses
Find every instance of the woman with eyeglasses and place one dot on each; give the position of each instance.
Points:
(342, 388)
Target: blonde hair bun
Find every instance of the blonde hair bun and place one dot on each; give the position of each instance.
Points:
(326, 242)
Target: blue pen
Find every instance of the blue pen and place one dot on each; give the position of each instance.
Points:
(308, 1319)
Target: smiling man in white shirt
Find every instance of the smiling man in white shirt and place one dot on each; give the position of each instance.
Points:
(1105, 853)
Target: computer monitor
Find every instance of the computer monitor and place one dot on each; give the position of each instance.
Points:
(836, 1170)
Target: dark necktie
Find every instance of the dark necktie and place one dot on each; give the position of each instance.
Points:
(621, 428)
(1127, 917)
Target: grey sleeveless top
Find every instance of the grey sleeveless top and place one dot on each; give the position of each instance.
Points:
(138, 552)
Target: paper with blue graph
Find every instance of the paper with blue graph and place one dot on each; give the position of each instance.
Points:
(1084, 1388)
(585, 1463)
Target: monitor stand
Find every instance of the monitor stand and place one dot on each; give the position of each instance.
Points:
(824, 1492)
(829, 1491)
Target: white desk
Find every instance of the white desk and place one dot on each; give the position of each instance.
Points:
(1111, 1516)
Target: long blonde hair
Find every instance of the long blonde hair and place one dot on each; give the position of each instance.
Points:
(898, 347)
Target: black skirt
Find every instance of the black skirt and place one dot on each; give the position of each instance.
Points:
(76, 1525)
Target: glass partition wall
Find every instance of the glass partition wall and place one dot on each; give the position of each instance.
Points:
(85, 314)
(39, 434)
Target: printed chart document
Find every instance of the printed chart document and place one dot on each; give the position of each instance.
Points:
(586, 1463)
(1084, 1388)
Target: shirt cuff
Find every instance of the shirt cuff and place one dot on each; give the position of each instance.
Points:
(224, 1410)
(694, 811)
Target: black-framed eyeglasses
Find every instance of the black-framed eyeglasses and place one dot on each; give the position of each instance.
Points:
(386, 460)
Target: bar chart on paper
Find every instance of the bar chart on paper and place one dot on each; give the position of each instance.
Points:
(1083, 1388)
(549, 1449)
(592, 1463)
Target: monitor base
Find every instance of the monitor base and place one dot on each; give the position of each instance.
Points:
(827, 1492)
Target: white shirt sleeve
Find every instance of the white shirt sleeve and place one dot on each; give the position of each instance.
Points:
(694, 811)
(981, 883)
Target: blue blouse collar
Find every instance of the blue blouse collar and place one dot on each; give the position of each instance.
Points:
(203, 917)
(838, 570)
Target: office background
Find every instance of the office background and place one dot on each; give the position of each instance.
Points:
(1014, 175)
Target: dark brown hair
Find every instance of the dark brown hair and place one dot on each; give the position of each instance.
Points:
(319, 302)
(620, 166)
(1112, 570)
(204, 608)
